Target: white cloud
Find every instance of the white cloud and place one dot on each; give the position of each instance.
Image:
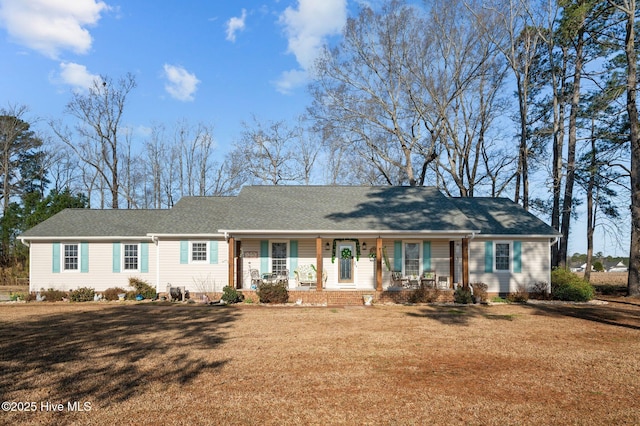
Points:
(235, 24)
(291, 79)
(307, 28)
(51, 26)
(181, 84)
(77, 75)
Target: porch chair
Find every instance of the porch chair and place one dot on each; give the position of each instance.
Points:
(255, 279)
(428, 279)
(443, 282)
(398, 280)
(282, 277)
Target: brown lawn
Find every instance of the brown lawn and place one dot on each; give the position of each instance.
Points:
(247, 364)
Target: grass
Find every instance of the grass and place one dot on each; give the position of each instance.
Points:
(253, 364)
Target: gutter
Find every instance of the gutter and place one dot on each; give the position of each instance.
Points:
(328, 233)
(88, 238)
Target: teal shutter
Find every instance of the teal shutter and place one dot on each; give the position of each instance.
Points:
(84, 257)
(116, 257)
(293, 256)
(488, 256)
(184, 252)
(397, 255)
(55, 258)
(144, 257)
(213, 252)
(517, 256)
(264, 256)
(426, 252)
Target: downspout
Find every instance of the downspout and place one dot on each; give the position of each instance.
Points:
(156, 242)
(26, 243)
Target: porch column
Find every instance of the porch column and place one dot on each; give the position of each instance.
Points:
(378, 264)
(232, 244)
(320, 268)
(465, 262)
(452, 263)
(238, 260)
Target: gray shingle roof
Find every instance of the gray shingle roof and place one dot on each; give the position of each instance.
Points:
(346, 208)
(304, 208)
(501, 216)
(198, 215)
(98, 223)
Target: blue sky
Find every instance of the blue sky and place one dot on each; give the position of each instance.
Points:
(216, 62)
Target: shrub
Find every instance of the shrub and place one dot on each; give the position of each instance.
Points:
(18, 296)
(231, 295)
(82, 294)
(131, 295)
(52, 295)
(521, 295)
(142, 288)
(462, 295)
(424, 295)
(480, 292)
(113, 292)
(566, 285)
(273, 293)
(540, 290)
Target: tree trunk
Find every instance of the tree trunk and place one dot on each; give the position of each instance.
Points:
(567, 204)
(633, 283)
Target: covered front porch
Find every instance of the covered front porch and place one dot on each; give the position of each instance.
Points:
(340, 263)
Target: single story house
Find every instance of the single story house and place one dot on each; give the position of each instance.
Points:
(328, 238)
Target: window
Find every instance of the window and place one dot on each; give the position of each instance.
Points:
(71, 257)
(278, 257)
(502, 256)
(199, 252)
(130, 257)
(412, 259)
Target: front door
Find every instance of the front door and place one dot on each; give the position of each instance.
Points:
(346, 255)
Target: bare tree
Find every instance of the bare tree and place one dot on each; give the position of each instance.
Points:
(362, 88)
(270, 152)
(99, 111)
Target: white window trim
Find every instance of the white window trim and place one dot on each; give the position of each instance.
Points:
(421, 255)
(198, 262)
(63, 256)
(287, 258)
(122, 262)
(495, 257)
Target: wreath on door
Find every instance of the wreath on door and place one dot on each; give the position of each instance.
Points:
(333, 252)
(346, 253)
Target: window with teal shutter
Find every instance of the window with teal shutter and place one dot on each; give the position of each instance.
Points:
(213, 252)
(517, 256)
(293, 257)
(397, 255)
(84, 257)
(55, 258)
(116, 257)
(426, 253)
(264, 256)
(144, 257)
(488, 256)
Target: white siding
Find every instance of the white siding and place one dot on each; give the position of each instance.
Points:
(100, 275)
(196, 277)
(535, 267)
